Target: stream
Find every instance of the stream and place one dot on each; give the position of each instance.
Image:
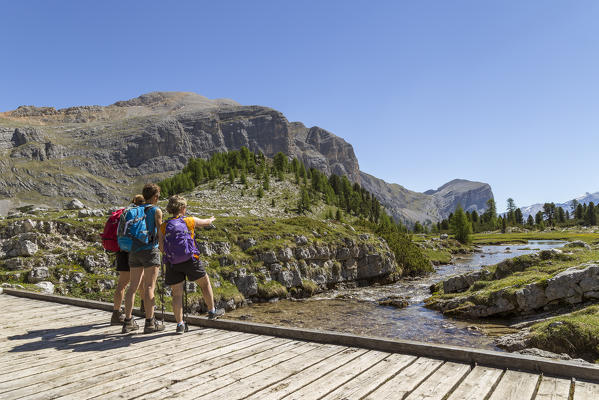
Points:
(357, 310)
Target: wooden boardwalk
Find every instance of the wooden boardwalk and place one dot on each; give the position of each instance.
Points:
(57, 351)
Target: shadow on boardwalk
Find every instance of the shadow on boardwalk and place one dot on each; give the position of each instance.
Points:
(67, 339)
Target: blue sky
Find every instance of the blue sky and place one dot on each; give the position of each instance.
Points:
(503, 92)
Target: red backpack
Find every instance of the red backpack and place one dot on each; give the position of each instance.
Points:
(109, 237)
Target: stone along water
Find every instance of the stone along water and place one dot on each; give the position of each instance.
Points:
(358, 311)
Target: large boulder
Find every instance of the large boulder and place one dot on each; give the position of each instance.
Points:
(75, 204)
(247, 285)
(46, 287)
(38, 274)
(531, 297)
(564, 286)
(459, 283)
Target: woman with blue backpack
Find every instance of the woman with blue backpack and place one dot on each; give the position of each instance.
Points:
(121, 262)
(138, 234)
(182, 258)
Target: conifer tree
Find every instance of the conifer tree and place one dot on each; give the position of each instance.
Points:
(518, 216)
(303, 203)
(460, 227)
(590, 218)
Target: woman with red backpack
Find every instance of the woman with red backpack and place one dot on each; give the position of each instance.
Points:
(182, 258)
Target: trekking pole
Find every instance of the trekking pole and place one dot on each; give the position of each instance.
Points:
(163, 287)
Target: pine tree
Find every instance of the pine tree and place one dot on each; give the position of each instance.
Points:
(590, 218)
(579, 212)
(460, 227)
(518, 216)
(539, 218)
(530, 221)
(303, 203)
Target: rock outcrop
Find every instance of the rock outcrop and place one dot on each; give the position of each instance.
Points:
(572, 286)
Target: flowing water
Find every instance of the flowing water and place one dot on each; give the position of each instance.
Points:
(357, 310)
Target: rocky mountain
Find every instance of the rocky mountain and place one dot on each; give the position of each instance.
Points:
(432, 205)
(584, 199)
(103, 154)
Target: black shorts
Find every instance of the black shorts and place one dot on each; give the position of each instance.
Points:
(193, 269)
(122, 261)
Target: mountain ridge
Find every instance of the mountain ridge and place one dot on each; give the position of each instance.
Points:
(102, 153)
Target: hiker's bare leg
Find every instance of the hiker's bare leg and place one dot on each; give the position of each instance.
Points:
(178, 301)
(119, 292)
(149, 285)
(136, 275)
(204, 283)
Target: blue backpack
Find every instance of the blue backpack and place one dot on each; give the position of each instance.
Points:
(133, 230)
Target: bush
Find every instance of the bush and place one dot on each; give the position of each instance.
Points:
(271, 289)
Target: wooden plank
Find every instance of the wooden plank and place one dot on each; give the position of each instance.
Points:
(185, 380)
(335, 378)
(144, 371)
(238, 385)
(38, 342)
(201, 384)
(553, 389)
(114, 375)
(45, 318)
(28, 354)
(49, 322)
(61, 373)
(372, 378)
(70, 348)
(35, 343)
(305, 377)
(27, 341)
(515, 385)
(407, 380)
(441, 382)
(586, 390)
(477, 385)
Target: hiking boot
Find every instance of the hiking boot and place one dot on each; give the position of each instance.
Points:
(153, 326)
(129, 325)
(182, 328)
(219, 312)
(117, 318)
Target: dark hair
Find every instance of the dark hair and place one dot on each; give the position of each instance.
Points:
(150, 190)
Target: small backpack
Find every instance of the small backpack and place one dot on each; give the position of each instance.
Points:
(179, 245)
(109, 236)
(132, 230)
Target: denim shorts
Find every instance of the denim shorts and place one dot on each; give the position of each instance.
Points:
(144, 258)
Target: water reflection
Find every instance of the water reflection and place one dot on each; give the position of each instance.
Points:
(357, 310)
